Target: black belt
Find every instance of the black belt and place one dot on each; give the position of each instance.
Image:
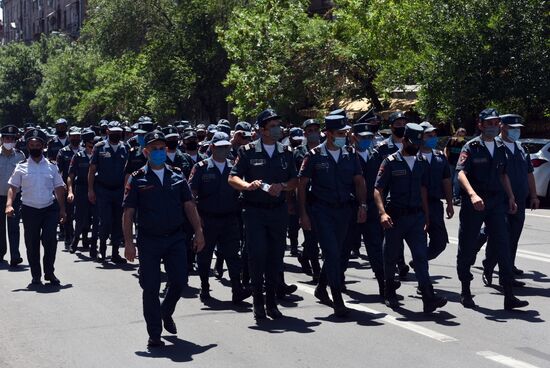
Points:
(263, 205)
(164, 234)
(219, 215)
(331, 204)
(405, 211)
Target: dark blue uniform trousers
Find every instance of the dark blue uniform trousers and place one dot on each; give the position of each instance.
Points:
(410, 228)
(109, 211)
(12, 227)
(471, 221)
(266, 241)
(437, 230)
(40, 225)
(223, 232)
(331, 226)
(85, 214)
(154, 250)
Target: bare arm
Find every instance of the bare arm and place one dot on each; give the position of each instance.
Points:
(91, 181)
(70, 194)
(448, 191)
(476, 200)
(60, 196)
(385, 219)
(195, 220)
(239, 184)
(303, 182)
(127, 227)
(535, 203)
(12, 192)
(361, 194)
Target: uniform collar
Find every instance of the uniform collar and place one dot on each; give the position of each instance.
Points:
(259, 146)
(324, 150)
(42, 162)
(212, 164)
(419, 156)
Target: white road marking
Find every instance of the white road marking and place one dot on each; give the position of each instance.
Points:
(536, 215)
(527, 254)
(391, 319)
(504, 360)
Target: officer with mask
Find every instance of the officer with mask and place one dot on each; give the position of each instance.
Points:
(77, 187)
(334, 173)
(60, 139)
(404, 177)
(106, 189)
(370, 232)
(296, 139)
(219, 209)
(264, 169)
(38, 179)
(242, 136)
(518, 168)
(175, 157)
(136, 159)
(482, 168)
(161, 199)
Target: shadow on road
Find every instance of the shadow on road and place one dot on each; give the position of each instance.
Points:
(19, 268)
(180, 351)
(355, 316)
(214, 304)
(285, 324)
(45, 288)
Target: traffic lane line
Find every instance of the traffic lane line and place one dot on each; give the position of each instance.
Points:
(505, 360)
(413, 327)
(535, 256)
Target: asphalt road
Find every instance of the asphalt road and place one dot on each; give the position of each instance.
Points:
(95, 320)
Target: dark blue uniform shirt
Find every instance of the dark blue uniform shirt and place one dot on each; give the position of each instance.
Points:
(439, 170)
(518, 166)
(79, 166)
(331, 181)
(110, 165)
(403, 185)
(214, 194)
(54, 146)
(136, 160)
(64, 157)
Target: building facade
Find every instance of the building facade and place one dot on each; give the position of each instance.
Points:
(26, 20)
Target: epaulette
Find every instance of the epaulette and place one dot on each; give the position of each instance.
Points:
(201, 163)
(288, 148)
(391, 157)
(315, 150)
(175, 169)
(100, 144)
(474, 144)
(248, 146)
(53, 162)
(438, 152)
(138, 173)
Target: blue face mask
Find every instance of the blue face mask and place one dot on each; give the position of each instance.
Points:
(431, 142)
(141, 140)
(364, 144)
(514, 134)
(340, 142)
(157, 157)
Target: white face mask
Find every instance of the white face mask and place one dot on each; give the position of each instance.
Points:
(8, 146)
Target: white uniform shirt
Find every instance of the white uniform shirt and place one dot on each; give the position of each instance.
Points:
(37, 182)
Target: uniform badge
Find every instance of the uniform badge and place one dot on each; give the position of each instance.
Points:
(463, 157)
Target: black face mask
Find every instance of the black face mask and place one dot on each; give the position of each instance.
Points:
(201, 137)
(75, 142)
(172, 145)
(35, 152)
(115, 138)
(61, 133)
(412, 150)
(191, 146)
(373, 128)
(399, 132)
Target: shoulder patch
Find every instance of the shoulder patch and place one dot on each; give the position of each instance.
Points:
(201, 163)
(248, 146)
(140, 172)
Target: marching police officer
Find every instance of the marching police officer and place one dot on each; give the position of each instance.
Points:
(296, 139)
(518, 168)
(38, 179)
(403, 176)
(9, 158)
(334, 173)
(264, 169)
(175, 157)
(136, 159)
(482, 176)
(106, 186)
(160, 197)
(60, 139)
(219, 208)
(77, 186)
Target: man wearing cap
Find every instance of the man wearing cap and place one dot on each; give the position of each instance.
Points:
(518, 168)
(201, 132)
(136, 159)
(482, 168)
(38, 179)
(20, 144)
(161, 199)
(219, 208)
(370, 232)
(191, 144)
(332, 173)
(64, 157)
(106, 190)
(174, 157)
(242, 136)
(59, 140)
(77, 187)
(263, 171)
(309, 258)
(439, 187)
(9, 158)
(296, 139)
(404, 177)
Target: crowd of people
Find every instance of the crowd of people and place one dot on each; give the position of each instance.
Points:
(174, 196)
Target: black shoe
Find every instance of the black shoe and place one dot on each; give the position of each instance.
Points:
(218, 268)
(273, 312)
(116, 259)
(304, 263)
(340, 309)
(517, 271)
(155, 343)
(403, 272)
(511, 302)
(52, 279)
(431, 301)
(16, 262)
(169, 324)
(390, 297)
(240, 294)
(467, 301)
(93, 253)
(36, 281)
(204, 295)
(73, 250)
(285, 290)
(294, 252)
(487, 278)
(411, 264)
(259, 307)
(322, 294)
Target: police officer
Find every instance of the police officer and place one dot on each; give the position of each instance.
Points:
(264, 169)
(482, 176)
(64, 157)
(242, 136)
(518, 168)
(370, 232)
(191, 143)
(60, 139)
(175, 157)
(296, 139)
(160, 197)
(9, 158)
(439, 187)
(334, 173)
(77, 186)
(219, 208)
(404, 177)
(106, 186)
(136, 159)
(38, 179)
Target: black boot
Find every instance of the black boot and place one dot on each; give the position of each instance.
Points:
(487, 276)
(466, 297)
(93, 252)
(315, 269)
(430, 300)
(304, 263)
(380, 280)
(239, 293)
(205, 290)
(74, 245)
(340, 309)
(283, 289)
(258, 305)
(271, 304)
(510, 301)
(390, 297)
(85, 240)
(218, 268)
(321, 292)
(116, 258)
(103, 250)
